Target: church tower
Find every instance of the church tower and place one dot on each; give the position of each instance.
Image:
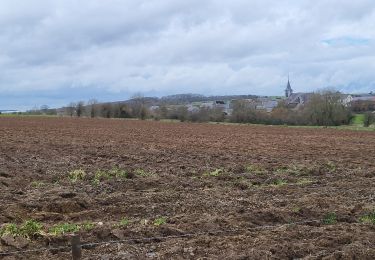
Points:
(288, 90)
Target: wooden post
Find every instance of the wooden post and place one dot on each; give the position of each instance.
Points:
(76, 247)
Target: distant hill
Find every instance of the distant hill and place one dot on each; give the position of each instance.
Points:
(183, 99)
(189, 98)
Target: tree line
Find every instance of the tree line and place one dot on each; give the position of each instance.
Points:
(324, 108)
(134, 108)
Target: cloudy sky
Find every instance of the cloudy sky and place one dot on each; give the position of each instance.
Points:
(54, 52)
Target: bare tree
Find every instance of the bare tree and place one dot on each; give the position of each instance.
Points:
(326, 108)
(125, 111)
(80, 108)
(70, 109)
(182, 113)
(106, 110)
(217, 114)
(138, 107)
(243, 112)
(92, 108)
(202, 115)
(163, 111)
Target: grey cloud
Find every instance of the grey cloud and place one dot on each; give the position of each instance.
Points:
(165, 46)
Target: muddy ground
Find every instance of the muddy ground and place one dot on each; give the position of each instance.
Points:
(188, 191)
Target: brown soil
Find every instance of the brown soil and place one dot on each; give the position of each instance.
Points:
(226, 191)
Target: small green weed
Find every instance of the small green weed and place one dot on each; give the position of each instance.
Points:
(64, 228)
(214, 173)
(123, 223)
(76, 175)
(10, 229)
(31, 228)
(37, 184)
(61, 229)
(87, 226)
(96, 181)
(331, 166)
(118, 173)
(296, 209)
(330, 218)
(368, 218)
(115, 172)
(160, 221)
(100, 176)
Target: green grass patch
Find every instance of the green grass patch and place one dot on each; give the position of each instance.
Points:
(65, 228)
(114, 173)
(62, 229)
(118, 173)
(87, 226)
(330, 218)
(124, 222)
(10, 229)
(29, 229)
(76, 175)
(368, 218)
(358, 119)
(160, 221)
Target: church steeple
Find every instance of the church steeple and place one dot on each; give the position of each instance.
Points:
(288, 90)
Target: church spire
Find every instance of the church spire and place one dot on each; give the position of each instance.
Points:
(288, 90)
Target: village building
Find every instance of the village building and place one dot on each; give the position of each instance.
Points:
(295, 100)
(266, 103)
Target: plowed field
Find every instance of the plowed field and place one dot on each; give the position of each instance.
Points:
(186, 191)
